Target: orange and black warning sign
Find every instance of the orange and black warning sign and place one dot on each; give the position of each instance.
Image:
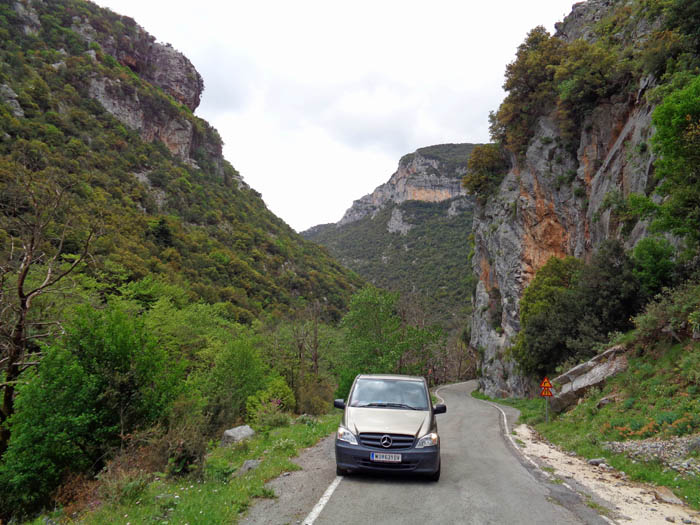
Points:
(546, 387)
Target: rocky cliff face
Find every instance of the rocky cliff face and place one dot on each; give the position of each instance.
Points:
(428, 175)
(555, 203)
(158, 64)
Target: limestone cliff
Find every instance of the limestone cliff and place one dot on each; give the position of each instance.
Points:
(556, 203)
(158, 64)
(428, 175)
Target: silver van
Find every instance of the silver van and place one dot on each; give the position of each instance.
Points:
(389, 425)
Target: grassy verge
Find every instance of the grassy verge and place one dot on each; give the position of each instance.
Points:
(218, 496)
(649, 399)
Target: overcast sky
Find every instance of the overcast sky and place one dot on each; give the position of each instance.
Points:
(316, 101)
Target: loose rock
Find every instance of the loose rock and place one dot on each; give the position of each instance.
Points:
(249, 464)
(666, 496)
(236, 434)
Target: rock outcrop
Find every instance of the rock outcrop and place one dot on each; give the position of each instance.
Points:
(9, 97)
(556, 203)
(426, 175)
(573, 384)
(158, 64)
(175, 132)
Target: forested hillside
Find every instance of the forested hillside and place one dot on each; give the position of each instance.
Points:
(82, 115)
(148, 298)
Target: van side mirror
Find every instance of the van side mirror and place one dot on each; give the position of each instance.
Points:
(439, 409)
(339, 403)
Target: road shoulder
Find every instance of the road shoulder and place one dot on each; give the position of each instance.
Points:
(296, 492)
(621, 500)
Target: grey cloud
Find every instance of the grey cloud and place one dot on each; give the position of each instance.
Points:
(229, 80)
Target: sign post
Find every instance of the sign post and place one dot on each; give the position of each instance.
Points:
(546, 393)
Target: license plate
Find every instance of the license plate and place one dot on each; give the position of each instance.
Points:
(385, 458)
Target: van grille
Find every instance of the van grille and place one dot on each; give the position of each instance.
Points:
(398, 441)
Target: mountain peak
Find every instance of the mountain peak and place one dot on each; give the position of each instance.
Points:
(430, 174)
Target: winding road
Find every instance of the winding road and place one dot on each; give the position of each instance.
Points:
(484, 480)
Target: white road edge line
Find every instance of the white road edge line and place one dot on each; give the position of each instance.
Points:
(322, 502)
(515, 446)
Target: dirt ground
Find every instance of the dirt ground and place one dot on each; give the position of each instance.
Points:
(628, 501)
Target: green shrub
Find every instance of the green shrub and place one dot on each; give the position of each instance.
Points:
(266, 408)
(569, 309)
(669, 314)
(677, 144)
(184, 444)
(238, 373)
(106, 379)
(486, 167)
(315, 395)
(653, 264)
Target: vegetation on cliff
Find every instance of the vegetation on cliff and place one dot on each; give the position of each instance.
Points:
(570, 307)
(486, 168)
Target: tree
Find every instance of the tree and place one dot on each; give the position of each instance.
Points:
(486, 167)
(653, 264)
(42, 241)
(373, 338)
(378, 340)
(546, 316)
(530, 87)
(570, 307)
(677, 142)
(550, 281)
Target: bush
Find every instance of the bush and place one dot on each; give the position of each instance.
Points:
(653, 264)
(106, 379)
(486, 167)
(238, 373)
(266, 408)
(53, 431)
(669, 315)
(315, 396)
(183, 446)
(570, 308)
(677, 144)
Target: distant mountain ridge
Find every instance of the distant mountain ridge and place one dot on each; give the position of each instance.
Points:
(430, 174)
(411, 233)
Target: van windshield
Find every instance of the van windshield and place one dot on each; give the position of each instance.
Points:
(389, 393)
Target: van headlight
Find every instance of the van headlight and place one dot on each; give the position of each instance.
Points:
(345, 435)
(429, 440)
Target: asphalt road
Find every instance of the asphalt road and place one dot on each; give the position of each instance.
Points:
(483, 480)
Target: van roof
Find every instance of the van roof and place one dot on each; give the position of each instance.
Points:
(390, 376)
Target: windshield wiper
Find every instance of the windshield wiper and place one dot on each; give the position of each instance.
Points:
(401, 405)
(391, 405)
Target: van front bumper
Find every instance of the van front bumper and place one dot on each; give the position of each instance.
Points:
(358, 457)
